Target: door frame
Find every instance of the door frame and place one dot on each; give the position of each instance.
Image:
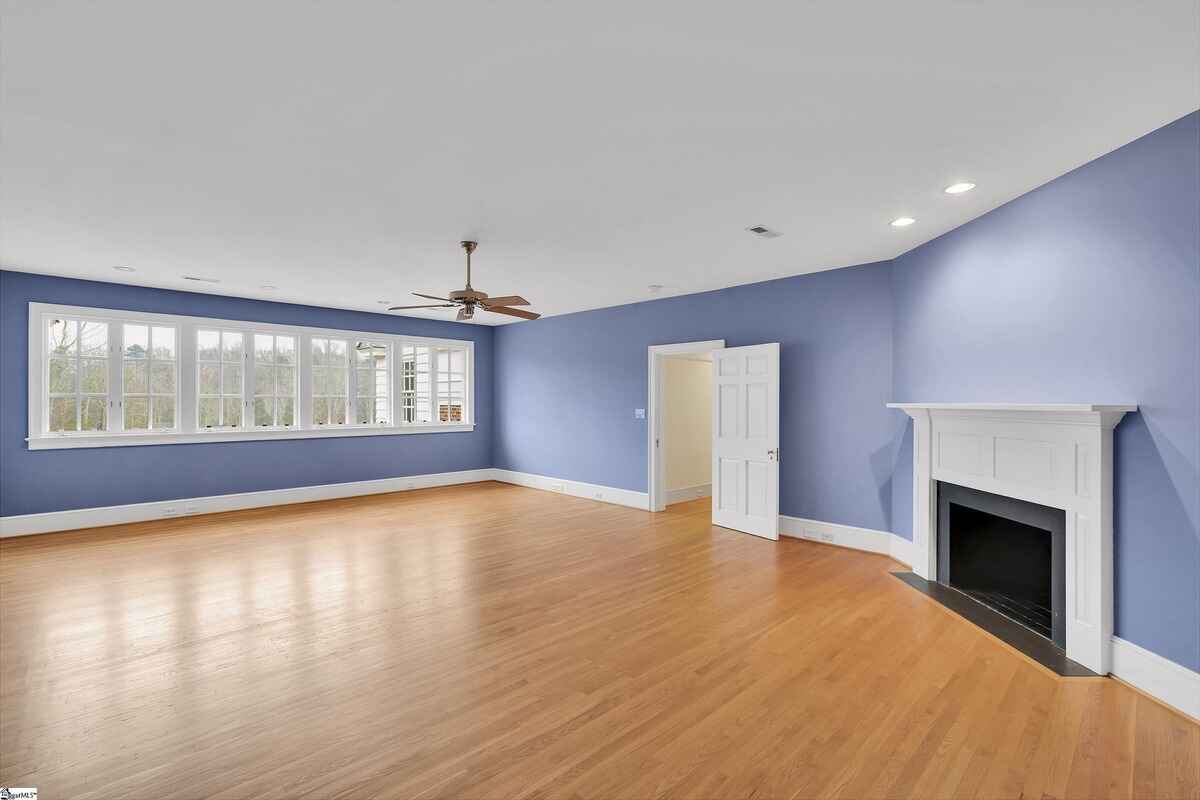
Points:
(656, 414)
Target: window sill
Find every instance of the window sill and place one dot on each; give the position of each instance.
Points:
(82, 440)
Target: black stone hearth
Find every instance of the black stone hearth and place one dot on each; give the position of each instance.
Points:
(1014, 634)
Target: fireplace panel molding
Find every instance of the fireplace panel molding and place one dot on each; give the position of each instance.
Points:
(1057, 455)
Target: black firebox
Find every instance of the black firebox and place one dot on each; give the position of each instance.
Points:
(1006, 553)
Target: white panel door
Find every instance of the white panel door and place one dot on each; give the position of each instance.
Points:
(745, 450)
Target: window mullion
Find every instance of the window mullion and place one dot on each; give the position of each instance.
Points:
(351, 382)
(79, 375)
(116, 375)
(187, 413)
(249, 351)
(304, 404)
(391, 368)
(433, 386)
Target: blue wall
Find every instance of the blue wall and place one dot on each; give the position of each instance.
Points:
(55, 480)
(1086, 289)
(566, 387)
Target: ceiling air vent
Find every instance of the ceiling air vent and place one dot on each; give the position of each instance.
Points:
(198, 279)
(763, 232)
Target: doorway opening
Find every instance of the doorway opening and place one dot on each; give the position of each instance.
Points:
(679, 422)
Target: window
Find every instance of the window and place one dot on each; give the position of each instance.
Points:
(220, 360)
(371, 381)
(102, 378)
(451, 383)
(330, 380)
(415, 396)
(274, 381)
(149, 377)
(77, 375)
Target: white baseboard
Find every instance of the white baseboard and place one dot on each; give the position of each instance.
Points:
(902, 550)
(592, 491)
(867, 539)
(1173, 684)
(689, 493)
(25, 524)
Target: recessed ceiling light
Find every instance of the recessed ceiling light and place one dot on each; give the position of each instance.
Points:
(902, 222)
(268, 286)
(959, 188)
(764, 232)
(124, 269)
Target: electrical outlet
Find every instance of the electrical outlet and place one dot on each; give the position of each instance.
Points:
(410, 485)
(808, 533)
(556, 487)
(598, 496)
(170, 511)
(827, 537)
(191, 510)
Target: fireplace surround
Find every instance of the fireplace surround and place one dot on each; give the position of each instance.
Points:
(1054, 455)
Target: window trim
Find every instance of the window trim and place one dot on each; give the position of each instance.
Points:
(187, 379)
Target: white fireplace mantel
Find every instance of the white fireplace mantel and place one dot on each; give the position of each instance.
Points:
(1054, 454)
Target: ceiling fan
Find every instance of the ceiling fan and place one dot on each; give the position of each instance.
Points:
(465, 300)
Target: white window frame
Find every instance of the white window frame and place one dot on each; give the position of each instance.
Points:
(391, 378)
(251, 378)
(114, 373)
(187, 408)
(220, 364)
(348, 398)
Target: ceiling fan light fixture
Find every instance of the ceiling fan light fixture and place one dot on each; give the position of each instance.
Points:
(468, 297)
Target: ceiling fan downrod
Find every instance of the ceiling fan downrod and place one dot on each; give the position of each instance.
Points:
(470, 248)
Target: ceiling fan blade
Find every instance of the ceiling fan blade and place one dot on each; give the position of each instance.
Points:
(513, 312)
(432, 297)
(439, 305)
(510, 300)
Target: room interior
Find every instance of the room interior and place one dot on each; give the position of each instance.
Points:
(686, 425)
(801, 409)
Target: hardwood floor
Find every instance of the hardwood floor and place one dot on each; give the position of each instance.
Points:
(488, 641)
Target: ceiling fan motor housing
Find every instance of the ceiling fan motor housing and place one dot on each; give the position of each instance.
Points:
(467, 294)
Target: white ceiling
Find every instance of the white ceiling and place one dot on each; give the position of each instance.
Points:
(340, 150)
